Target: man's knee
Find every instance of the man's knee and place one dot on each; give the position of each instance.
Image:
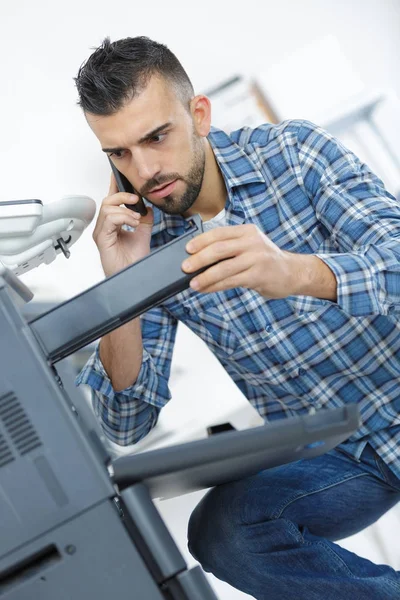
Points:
(213, 528)
(219, 531)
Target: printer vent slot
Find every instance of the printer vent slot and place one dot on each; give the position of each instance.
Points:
(17, 424)
(6, 455)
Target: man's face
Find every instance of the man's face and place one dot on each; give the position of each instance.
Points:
(153, 142)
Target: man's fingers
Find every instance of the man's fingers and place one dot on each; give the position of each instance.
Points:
(113, 189)
(219, 250)
(112, 223)
(116, 198)
(215, 235)
(105, 211)
(120, 213)
(224, 275)
(120, 198)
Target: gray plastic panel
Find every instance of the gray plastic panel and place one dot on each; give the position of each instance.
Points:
(150, 533)
(94, 558)
(50, 470)
(191, 584)
(19, 291)
(233, 455)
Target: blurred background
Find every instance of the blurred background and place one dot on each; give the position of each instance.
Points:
(332, 62)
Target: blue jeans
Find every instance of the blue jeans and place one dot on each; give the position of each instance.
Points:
(272, 535)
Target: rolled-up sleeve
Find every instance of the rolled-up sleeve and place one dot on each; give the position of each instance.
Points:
(363, 220)
(128, 415)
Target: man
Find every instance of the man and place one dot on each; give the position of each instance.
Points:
(302, 310)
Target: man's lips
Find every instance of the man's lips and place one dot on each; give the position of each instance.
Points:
(163, 191)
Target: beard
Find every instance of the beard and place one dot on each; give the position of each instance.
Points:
(178, 205)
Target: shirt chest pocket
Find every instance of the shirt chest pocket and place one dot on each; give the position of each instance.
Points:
(206, 315)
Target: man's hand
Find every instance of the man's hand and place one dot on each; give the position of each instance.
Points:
(119, 248)
(246, 257)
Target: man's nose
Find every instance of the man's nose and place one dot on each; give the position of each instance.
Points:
(146, 167)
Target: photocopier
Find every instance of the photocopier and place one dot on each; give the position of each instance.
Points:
(76, 524)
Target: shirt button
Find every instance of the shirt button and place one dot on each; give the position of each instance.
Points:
(301, 371)
(268, 328)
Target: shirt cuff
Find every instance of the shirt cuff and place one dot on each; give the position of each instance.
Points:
(356, 293)
(144, 388)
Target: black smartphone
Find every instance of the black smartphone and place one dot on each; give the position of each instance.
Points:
(124, 185)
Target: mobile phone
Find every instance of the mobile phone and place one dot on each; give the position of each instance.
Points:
(124, 185)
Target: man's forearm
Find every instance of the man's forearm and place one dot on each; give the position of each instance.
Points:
(121, 353)
(312, 277)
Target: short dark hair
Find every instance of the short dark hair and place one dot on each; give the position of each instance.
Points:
(118, 71)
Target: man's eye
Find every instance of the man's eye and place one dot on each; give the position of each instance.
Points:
(156, 139)
(117, 154)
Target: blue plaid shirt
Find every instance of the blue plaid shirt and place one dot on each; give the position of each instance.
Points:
(310, 195)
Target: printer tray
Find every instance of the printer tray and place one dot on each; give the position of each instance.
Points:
(233, 455)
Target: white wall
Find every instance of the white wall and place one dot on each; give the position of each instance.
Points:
(42, 44)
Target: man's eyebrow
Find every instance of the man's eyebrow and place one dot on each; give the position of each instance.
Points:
(145, 138)
(155, 132)
(113, 149)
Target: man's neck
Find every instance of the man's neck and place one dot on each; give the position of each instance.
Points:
(212, 197)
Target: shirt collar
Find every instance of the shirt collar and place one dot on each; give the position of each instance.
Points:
(236, 166)
(237, 170)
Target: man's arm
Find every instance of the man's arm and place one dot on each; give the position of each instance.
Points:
(363, 220)
(127, 415)
(130, 369)
(121, 353)
(312, 277)
(246, 257)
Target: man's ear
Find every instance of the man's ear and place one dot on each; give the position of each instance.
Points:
(200, 109)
